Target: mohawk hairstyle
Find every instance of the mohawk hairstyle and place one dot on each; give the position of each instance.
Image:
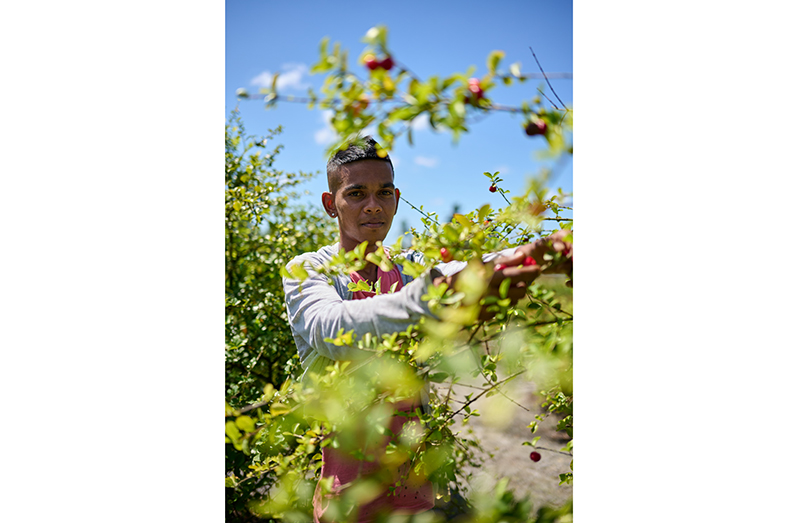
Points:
(360, 148)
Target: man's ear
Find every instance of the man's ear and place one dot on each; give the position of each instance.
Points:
(398, 194)
(328, 204)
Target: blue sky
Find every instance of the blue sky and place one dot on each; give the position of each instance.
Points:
(262, 38)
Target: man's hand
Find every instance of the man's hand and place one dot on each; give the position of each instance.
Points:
(523, 266)
(555, 246)
(530, 261)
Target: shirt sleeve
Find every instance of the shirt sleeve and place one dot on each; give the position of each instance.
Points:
(453, 267)
(316, 311)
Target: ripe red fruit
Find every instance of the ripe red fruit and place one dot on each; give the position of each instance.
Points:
(371, 61)
(475, 88)
(446, 256)
(529, 260)
(499, 267)
(492, 188)
(535, 456)
(534, 128)
(387, 63)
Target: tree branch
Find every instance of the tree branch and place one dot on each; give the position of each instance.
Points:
(544, 76)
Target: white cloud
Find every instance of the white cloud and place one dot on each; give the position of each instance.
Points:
(425, 162)
(326, 135)
(420, 123)
(291, 77)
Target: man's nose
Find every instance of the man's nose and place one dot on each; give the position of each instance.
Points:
(373, 205)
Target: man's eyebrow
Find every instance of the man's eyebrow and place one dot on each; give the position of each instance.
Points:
(361, 186)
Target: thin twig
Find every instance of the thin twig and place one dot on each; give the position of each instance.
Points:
(544, 76)
(534, 76)
(395, 100)
(485, 391)
(552, 450)
(547, 98)
(419, 210)
(500, 391)
(536, 324)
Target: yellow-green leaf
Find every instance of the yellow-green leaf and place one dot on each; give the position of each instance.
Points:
(245, 423)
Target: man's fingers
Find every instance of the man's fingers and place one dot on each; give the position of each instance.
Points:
(516, 287)
(516, 274)
(517, 258)
(516, 293)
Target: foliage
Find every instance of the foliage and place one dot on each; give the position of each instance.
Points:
(276, 432)
(263, 231)
(393, 99)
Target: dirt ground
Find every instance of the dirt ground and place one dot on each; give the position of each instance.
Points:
(501, 428)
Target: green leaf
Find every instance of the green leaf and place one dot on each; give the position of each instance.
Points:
(274, 82)
(231, 430)
(298, 272)
(361, 285)
(493, 60)
(279, 409)
(438, 377)
(504, 287)
(245, 423)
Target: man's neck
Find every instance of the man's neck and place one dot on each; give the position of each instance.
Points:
(369, 272)
(351, 245)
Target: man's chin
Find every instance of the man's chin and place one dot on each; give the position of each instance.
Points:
(376, 235)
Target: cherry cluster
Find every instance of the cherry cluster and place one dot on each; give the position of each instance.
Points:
(372, 63)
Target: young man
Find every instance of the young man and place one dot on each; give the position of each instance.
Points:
(363, 199)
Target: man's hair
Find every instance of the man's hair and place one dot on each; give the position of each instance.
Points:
(360, 148)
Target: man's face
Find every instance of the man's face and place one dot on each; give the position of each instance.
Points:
(364, 203)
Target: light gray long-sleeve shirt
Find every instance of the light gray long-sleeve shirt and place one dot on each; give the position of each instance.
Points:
(319, 310)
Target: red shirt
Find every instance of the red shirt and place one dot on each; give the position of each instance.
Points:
(412, 496)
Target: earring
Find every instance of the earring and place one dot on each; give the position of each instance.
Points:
(332, 214)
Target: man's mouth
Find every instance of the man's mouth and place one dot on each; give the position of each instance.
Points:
(373, 225)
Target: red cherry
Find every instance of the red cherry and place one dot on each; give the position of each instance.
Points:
(387, 63)
(492, 188)
(446, 256)
(529, 260)
(534, 128)
(474, 87)
(535, 456)
(371, 61)
(499, 267)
